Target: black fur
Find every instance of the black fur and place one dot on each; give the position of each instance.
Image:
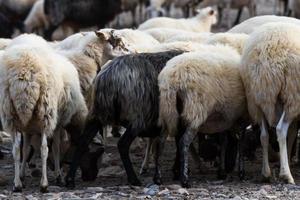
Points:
(6, 27)
(85, 13)
(126, 94)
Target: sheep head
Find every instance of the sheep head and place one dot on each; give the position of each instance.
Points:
(207, 13)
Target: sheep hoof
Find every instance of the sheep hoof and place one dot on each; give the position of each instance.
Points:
(135, 182)
(287, 179)
(185, 184)
(143, 171)
(70, 183)
(266, 179)
(17, 189)
(59, 181)
(44, 189)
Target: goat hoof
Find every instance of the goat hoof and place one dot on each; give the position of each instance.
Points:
(44, 189)
(135, 182)
(287, 179)
(17, 189)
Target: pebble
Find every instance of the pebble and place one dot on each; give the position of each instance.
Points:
(183, 191)
(263, 192)
(267, 188)
(151, 190)
(174, 187)
(2, 196)
(236, 198)
(271, 197)
(164, 192)
(94, 189)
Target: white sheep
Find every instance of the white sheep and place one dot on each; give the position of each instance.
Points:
(235, 40)
(249, 25)
(4, 43)
(40, 94)
(207, 87)
(170, 35)
(270, 72)
(201, 23)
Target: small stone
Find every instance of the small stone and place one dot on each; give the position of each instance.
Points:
(164, 192)
(236, 198)
(271, 196)
(174, 187)
(223, 196)
(263, 192)
(151, 190)
(68, 195)
(123, 194)
(267, 188)
(94, 189)
(183, 191)
(30, 197)
(2, 196)
(96, 196)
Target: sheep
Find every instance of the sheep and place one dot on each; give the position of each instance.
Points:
(236, 4)
(237, 41)
(269, 72)
(134, 40)
(166, 34)
(201, 23)
(134, 107)
(84, 13)
(4, 43)
(40, 94)
(250, 25)
(200, 92)
(37, 21)
(197, 38)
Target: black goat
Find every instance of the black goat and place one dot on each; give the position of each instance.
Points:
(85, 13)
(126, 94)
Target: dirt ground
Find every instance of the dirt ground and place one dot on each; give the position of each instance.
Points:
(112, 183)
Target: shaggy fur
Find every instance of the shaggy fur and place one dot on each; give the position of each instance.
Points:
(4, 43)
(84, 12)
(126, 94)
(237, 41)
(200, 23)
(40, 93)
(250, 25)
(270, 74)
(202, 90)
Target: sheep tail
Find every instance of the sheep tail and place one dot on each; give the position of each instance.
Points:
(25, 86)
(168, 115)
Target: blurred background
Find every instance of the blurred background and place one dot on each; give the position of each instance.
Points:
(57, 19)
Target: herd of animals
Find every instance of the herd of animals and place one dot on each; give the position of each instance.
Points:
(167, 78)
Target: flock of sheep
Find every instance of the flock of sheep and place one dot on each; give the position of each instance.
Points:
(167, 78)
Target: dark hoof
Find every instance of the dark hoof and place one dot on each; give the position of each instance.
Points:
(135, 182)
(70, 183)
(143, 171)
(58, 181)
(266, 179)
(157, 181)
(44, 189)
(185, 184)
(17, 189)
(242, 175)
(222, 175)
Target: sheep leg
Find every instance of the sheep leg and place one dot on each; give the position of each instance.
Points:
(224, 141)
(44, 156)
(56, 156)
(145, 164)
(17, 154)
(91, 128)
(292, 135)
(25, 151)
(158, 153)
(241, 165)
(264, 138)
(237, 20)
(281, 131)
(123, 145)
(184, 145)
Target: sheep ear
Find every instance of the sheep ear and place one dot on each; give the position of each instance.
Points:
(102, 36)
(211, 12)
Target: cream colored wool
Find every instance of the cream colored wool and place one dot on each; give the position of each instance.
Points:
(208, 83)
(270, 68)
(235, 40)
(200, 23)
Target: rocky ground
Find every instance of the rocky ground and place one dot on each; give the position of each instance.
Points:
(111, 182)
